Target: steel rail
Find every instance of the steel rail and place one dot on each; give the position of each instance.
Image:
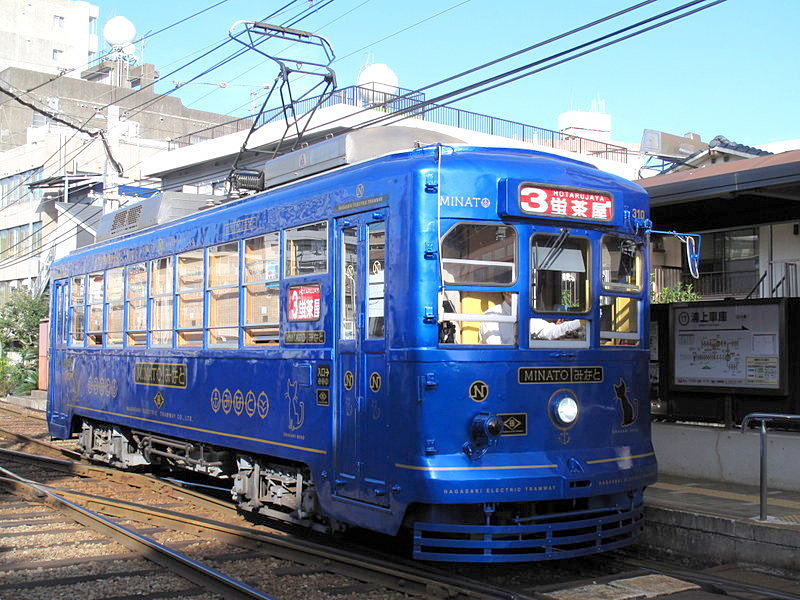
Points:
(351, 564)
(202, 575)
(141, 480)
(24, 439)
(417, 579)
(706, 579)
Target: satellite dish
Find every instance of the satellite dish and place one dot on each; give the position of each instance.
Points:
(119, 32)
(378, 83)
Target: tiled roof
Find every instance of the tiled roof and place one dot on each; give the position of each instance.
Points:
(721, 141)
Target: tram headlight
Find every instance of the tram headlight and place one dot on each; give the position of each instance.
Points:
(564, 408)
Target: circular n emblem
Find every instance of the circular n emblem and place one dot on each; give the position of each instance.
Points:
(478, 391)
(348, 380)
(375, 382)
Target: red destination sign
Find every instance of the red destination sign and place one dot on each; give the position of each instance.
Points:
(592, 206)
(304, 303)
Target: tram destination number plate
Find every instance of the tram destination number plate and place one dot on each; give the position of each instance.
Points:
(560, 375)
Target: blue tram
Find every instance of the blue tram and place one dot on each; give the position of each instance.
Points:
(448, 340)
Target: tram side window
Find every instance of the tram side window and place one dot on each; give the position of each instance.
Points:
(96, 305)
(619, 321)
(223, 295)
(479, 255)
(559, 284)
(306, 251)
(136, 327)
(261, 289)
(560, 277)
(77, 309)
(114, 307)
(375, 276)
(161, 302)
(191, 276)
(485, 318)
(621, 264)
(350, 295)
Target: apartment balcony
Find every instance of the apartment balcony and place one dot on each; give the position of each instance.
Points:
(711, 284)
(781, 282)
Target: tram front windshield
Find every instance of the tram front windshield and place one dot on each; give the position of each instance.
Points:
(486, 300)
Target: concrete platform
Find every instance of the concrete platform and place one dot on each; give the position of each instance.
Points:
(718, 522)
(36, 401)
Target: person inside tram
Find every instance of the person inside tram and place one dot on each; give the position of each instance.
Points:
(505, 332)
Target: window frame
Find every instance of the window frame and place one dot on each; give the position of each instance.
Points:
(187, 336)
(156, 295)
(533, 282)
(115, 341)
(622, 288)
(78, 308)
(267, 332)
(136, 338)
(95, 303)
(287, 268)
(213, 301)
(514, 264)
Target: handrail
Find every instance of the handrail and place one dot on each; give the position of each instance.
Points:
(764, 417)
(756, 286)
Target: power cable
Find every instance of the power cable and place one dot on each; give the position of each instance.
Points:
(136, 41)
(497, 80)
(421, 105)
(296, 19)
(283, 8)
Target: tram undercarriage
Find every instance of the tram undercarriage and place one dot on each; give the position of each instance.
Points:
(261, 485)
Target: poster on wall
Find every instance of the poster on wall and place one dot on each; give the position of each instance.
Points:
(728, 345)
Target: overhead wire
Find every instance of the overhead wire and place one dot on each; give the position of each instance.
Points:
(528, 69)
(10, 261)
(498, 80)
(143, 88)
(136, 41)
(249, 70)
(285, 6)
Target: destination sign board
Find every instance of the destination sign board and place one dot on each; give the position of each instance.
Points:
(574, 204)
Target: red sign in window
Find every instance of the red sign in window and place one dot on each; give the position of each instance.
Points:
(592, 206)
(304, 303)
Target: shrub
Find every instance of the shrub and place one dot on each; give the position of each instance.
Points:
(19, 333)
(677, 293)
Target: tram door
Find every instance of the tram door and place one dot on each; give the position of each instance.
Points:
(361, 416)
(59, 330)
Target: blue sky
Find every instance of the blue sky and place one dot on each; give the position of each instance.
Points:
(730, 70)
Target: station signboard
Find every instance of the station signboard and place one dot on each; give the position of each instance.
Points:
(737, 346)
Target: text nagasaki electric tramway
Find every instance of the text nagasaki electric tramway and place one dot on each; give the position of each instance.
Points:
(445, 340)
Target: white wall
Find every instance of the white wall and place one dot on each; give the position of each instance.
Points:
(29, 32)
(720, 454)
(780, 245)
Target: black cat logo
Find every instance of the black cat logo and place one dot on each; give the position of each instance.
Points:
(630, 408)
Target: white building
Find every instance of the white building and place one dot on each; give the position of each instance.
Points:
(49, 36)
(57, 173)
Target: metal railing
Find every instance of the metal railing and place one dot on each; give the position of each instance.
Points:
(763, 418)
(666, 277)
(726, 283)
(442, 115)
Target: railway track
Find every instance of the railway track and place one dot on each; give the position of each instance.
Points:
(205, 532)
(134, 504)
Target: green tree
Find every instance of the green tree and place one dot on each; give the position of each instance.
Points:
(19, 333)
